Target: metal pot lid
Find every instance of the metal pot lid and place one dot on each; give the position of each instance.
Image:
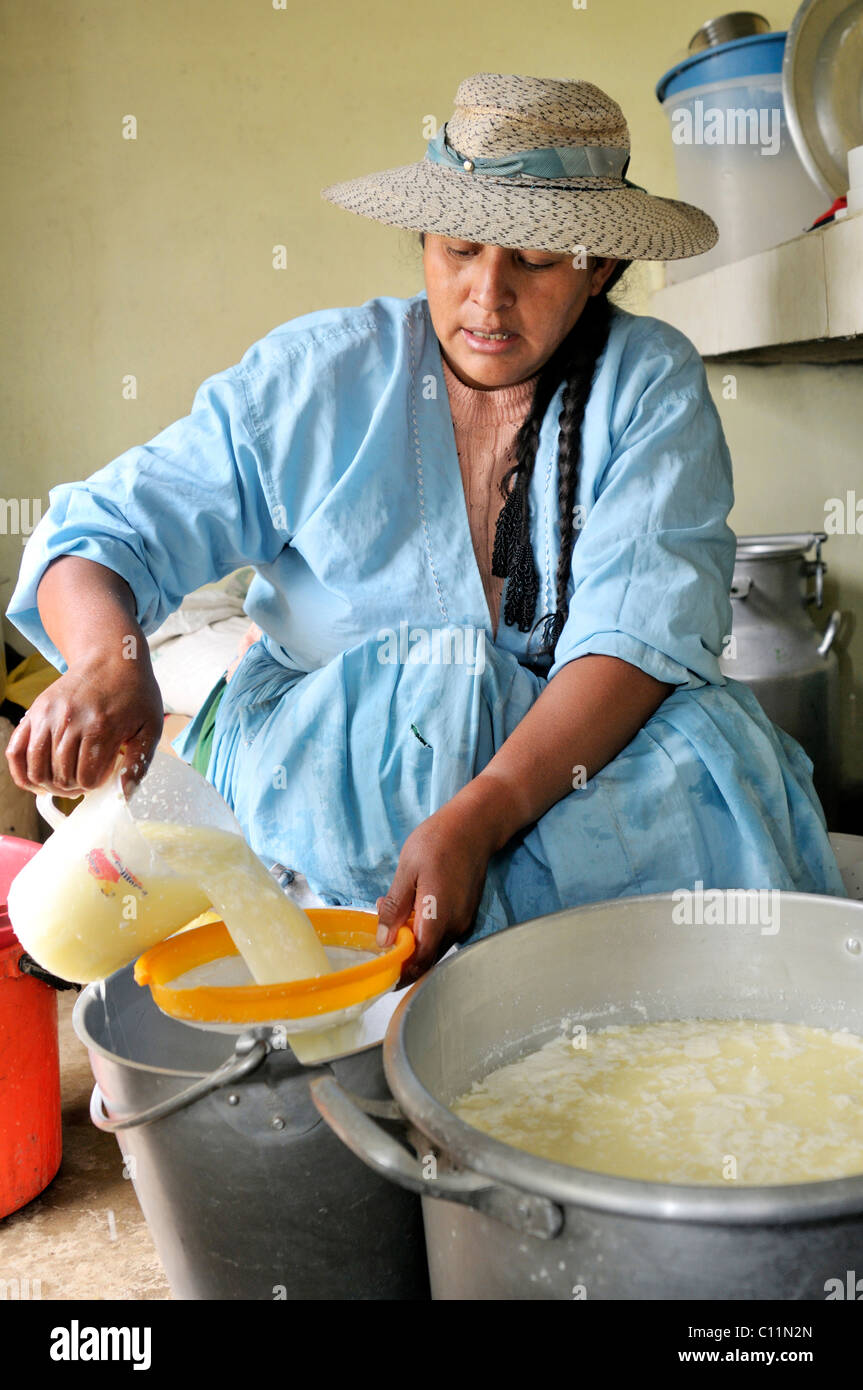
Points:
(778, 547)
(822, 88)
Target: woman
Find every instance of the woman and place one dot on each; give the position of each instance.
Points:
(410, 731)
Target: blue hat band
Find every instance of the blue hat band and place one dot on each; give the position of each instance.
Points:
(566, 161)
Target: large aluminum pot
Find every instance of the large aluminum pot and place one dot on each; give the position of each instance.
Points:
(502, 1224)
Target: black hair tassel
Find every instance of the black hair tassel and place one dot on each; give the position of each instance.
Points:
(507, 532)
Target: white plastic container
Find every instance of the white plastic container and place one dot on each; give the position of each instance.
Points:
(734, 153)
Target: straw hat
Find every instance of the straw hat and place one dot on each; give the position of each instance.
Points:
(531, 162)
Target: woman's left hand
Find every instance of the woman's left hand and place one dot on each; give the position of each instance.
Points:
(440, 877)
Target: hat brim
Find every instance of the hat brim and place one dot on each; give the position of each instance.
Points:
(605, 217)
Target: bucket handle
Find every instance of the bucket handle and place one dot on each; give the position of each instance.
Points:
(350, 1117)
(249, 1053)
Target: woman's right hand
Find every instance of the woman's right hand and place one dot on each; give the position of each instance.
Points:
(69, 739)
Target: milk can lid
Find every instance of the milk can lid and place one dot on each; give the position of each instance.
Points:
(778, 547)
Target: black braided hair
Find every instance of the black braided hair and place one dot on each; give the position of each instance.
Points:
(573, 361)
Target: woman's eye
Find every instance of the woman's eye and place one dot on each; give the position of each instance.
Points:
(529, 265)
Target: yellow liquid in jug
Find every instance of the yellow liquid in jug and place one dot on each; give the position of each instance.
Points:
(273, 934)
(83, 928)
(726, 1103)
(100, 912)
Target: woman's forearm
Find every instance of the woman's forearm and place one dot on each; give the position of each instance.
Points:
(107, 700)
(587, 713)
(89, 612)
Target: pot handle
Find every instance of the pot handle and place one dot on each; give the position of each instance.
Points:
(350, 1117)
(830, 632)
(248, 1055)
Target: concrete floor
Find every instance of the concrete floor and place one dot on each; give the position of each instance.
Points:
(84, 1237)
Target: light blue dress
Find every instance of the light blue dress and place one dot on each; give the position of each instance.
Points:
(326, 458)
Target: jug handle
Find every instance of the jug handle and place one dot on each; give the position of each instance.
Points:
(48, 811)
(350, 1117)
(55, 817)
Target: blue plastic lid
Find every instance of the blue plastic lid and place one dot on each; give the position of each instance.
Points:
(749, 57)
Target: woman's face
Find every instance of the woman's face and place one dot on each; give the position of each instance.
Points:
(536, 296)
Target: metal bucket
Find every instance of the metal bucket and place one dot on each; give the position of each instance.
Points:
(503, 1224)
(247, 1193)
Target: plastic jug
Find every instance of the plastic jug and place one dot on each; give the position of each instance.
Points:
(97, 894)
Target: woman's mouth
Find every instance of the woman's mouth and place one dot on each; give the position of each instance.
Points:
(488, 342)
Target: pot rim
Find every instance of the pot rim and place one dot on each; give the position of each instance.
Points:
(475, 1151)
(85, 1036)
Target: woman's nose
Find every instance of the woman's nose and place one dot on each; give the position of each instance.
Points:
(490, 285)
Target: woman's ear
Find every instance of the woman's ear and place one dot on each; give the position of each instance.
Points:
(602, 268)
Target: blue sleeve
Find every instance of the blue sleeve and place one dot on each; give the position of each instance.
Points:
(653, 562)
(181, 511)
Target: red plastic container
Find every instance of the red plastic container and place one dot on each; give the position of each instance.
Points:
(30, 1133)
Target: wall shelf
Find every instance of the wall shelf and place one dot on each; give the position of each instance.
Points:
(801, 301)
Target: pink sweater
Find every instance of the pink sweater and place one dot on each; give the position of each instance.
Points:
(485, 424)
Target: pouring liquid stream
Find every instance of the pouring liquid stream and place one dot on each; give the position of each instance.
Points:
(273, 934)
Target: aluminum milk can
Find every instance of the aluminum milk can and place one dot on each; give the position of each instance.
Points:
(775, 648)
